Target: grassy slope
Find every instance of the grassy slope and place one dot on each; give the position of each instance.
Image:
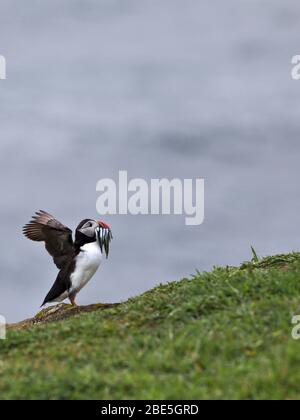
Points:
(224, 334)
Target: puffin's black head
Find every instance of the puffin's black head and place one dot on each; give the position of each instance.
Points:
(89, 231)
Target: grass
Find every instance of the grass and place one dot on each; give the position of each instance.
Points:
(219, 335)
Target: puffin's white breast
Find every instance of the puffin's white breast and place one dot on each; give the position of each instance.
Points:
(87, 263)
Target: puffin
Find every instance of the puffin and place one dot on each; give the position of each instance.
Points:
(77, 260)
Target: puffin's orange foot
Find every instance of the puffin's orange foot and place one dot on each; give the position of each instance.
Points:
(72, 300)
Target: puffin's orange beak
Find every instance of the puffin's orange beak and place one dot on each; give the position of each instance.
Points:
(103, 225)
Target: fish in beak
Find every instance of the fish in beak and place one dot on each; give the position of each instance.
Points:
(104, 237)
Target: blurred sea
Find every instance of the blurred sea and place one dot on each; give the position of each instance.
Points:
(161, 89)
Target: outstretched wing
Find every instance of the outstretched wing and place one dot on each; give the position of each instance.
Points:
(57, 237)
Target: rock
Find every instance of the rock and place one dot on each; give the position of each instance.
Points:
(59, 313)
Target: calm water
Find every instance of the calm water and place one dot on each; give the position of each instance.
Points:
(161, 89)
